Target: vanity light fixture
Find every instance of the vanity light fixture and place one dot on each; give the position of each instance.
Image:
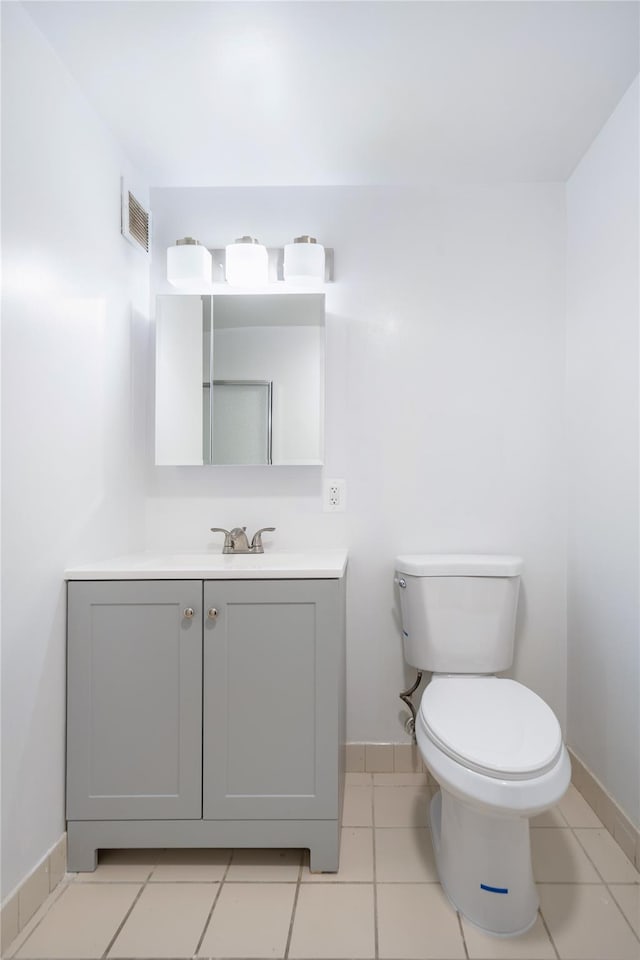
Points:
(188, 264)
(246, 263)
(304, 261)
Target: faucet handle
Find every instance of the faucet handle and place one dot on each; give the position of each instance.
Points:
(256, 543)
(227, 536)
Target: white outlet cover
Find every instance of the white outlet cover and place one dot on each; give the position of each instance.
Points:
(334, 496)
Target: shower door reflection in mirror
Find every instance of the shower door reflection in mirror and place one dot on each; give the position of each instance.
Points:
(240, 379)
(240, 417)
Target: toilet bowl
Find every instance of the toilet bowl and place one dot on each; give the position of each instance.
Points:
(493, 776)
(494, 746)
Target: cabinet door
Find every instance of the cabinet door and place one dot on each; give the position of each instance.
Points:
(272, 699)
(134, 701)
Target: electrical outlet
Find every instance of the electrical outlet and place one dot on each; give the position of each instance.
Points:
(335, 494)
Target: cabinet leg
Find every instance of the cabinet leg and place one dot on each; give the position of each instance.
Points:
(82, 855)
(325, 857)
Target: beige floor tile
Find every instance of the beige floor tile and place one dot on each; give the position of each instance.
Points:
(404, 855)
(356, 859)
(609, 860)
(191, 865)
(558, 858)
(268, 865)
(532, 945)
(11, 949)
(399, 779)
(401, 806)
(250, 920)
(333, 921)
(358, 806)
(358, 779)
(628, 899)
(417, 922)
(577, 811)
(586, 924)
(81, 922)
(121, 866)
(551, 818)
(167, 921)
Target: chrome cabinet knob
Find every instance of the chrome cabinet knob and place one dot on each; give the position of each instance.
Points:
(188, 613)
(212, 613)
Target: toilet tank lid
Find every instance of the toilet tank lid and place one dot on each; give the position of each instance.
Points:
(458, 565)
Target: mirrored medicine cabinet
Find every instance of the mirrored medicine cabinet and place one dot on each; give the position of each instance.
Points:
(240, 379)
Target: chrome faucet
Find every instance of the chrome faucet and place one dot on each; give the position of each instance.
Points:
(235, 541)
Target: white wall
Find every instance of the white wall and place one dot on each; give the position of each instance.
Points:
(75, 324)
(445, 386)
(603, 423)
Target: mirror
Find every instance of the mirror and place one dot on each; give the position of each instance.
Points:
(240, 379)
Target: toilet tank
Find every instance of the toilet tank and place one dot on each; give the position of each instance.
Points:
(458, 612)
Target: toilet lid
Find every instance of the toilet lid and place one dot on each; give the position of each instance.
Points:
(497, 727)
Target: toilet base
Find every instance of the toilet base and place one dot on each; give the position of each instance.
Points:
(484, 865)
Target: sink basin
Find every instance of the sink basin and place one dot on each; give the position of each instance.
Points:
(316, 564)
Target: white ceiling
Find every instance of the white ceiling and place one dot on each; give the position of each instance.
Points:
(278, 93)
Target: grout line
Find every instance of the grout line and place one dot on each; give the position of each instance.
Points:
(376, 945)
(587, 855)
(620, 910)
(213, 906)
(127, 914)
(294, 907)
(461, 928)
(544, 924)
(603, 829)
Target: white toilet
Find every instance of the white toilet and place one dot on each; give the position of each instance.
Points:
(493, 745)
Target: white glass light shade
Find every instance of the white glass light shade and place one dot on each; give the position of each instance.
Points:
(188, 264)
(246, 263)
(304, 262)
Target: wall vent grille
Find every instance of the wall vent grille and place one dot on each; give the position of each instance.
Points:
(135, 221)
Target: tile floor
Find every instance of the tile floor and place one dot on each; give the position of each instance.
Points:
(384, 903)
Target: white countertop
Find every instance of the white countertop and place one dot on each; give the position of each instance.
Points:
(314, 564)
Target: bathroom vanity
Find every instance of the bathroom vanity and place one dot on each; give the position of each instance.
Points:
(205, 704)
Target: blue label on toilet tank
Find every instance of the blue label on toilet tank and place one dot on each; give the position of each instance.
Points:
(484, 886)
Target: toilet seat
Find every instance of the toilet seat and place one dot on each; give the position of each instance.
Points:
(493, 726)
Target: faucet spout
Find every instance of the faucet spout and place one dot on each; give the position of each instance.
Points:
(239, 542)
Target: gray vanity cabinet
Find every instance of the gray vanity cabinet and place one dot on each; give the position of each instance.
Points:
(271, 699)
(134, 728)
(205, 713)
